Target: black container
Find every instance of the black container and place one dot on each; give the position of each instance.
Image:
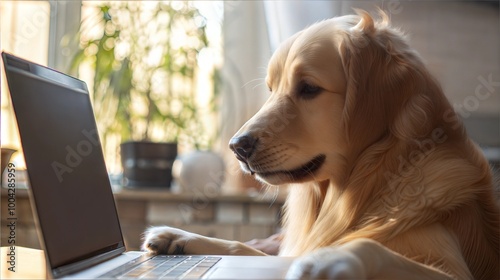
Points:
(147, 164)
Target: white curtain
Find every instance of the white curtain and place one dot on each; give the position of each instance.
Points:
(246, 52)
(285, 18)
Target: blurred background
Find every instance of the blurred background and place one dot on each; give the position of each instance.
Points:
(192, 72)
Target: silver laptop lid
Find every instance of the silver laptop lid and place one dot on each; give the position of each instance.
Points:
(70, 187)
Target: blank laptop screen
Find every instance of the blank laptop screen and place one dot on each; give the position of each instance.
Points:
(65, 163)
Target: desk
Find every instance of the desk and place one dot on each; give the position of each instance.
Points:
(29, 264)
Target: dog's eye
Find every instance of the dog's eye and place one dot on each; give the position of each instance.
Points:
(309, 91)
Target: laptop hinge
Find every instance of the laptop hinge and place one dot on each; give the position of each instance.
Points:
(80, 265)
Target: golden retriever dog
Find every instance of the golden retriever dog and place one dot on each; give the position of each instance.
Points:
(383, 180)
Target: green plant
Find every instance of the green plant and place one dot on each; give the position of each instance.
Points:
(144, 64)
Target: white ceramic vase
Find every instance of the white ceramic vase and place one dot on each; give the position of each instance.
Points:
(199, 172)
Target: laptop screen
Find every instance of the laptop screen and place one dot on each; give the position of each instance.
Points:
(64, 159)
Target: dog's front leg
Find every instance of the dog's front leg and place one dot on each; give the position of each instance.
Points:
(173, 241)
(360, 259)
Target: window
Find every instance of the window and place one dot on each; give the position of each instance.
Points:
(25, 32)
(45, 32)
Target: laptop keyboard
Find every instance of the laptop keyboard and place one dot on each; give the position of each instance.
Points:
(164, 267)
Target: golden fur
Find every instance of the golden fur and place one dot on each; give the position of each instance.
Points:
(382, 174)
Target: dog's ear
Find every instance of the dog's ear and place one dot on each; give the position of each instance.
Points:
(387, 84)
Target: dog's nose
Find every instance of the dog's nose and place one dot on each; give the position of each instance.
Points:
(242, 146)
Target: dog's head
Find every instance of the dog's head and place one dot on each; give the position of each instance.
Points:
(336, 88)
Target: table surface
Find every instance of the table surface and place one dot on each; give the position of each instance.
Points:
(22, 263)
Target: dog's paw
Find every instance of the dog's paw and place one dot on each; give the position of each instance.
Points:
(167, 241)
(327, 263)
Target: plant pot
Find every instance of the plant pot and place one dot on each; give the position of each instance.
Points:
(147, 164)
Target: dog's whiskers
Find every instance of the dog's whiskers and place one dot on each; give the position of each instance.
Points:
(260, 81)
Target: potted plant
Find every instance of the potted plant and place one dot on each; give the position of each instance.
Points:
(144, 64)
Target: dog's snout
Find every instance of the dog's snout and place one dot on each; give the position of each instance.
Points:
(243, 146)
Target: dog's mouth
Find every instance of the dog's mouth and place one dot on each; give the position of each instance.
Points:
(296, 174)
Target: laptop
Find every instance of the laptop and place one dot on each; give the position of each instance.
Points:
(71, 194)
